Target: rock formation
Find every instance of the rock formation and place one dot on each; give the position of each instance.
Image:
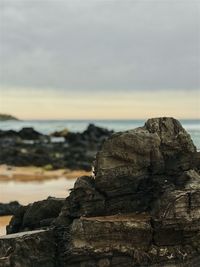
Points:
(9, 208)
(141, 208)
(32, 249)
(72, 150)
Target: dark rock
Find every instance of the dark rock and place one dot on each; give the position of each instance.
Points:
(196, 161)
(84, 199)
(93, 132)
(39, 211)
(16, 222)
(29, 133)
(9, 208)
(162, 147)
(38, 215)
(148, 169)
(34, 249)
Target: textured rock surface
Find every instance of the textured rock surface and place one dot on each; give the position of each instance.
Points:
(141, 208)
(28, 249)
(162, 146)
(38, 215)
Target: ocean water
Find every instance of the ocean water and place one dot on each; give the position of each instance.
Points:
(49, 126)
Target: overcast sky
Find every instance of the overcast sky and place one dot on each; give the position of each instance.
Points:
(66, 53)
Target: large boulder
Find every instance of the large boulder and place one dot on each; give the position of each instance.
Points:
(28, 133)
(127, 160)
(38, 215)
(148, 188)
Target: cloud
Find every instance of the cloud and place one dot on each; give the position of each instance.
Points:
(99, 45)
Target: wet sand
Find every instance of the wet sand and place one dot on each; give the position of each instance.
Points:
(27, 174)
(29, 184)
(4, 220)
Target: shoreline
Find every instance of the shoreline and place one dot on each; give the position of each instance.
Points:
(32, 176)
(30, 184)
(36, 174)
(4, 221)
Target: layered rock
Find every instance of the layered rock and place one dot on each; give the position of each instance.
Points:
(161, 147)
(36, 248)
(34, 216)
(141, 208)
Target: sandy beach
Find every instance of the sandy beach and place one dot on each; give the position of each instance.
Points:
(4, 220)
(28, 174)
(29, 184)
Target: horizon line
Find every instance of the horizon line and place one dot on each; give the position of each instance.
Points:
(103, 119)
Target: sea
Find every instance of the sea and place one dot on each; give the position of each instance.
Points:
(49, 126)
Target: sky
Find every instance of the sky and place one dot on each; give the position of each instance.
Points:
(93, 59)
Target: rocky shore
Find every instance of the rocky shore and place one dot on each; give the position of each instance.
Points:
(58, 150)
(140, 208)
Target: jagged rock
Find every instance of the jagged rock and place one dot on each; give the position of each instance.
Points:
(38, 215)
(34, 249)
(84, 199)
(131, 239)
(95, 132)
(147, 169)
(75, 151)
(127, 160)
(92, 138)
(141, 208)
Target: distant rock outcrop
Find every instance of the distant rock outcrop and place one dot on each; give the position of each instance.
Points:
(141, 208)
(28, 147)
(6, 117)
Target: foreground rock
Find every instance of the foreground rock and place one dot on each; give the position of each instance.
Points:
(36, 248)
(141, 208)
